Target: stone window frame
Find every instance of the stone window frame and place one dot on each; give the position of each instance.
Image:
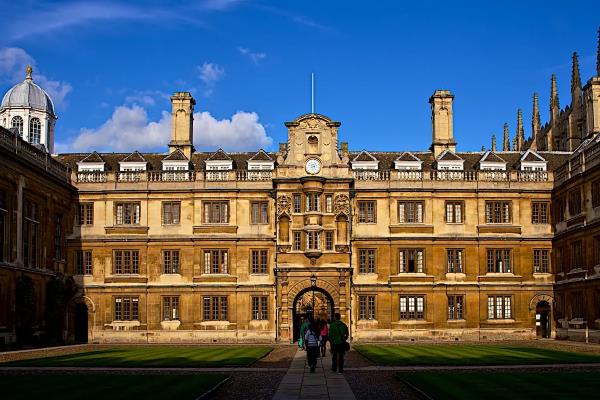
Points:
(404, 260)
(367, 263)
(456, 307)
(215, 208)
(83, 262)
(171, 261)
(215, 308)
(129, 260)
(367, 307)
(500, 306)
(541, 261)
(498, 211)
(366, 215)
(170, 308)
(223, 262)
(259, 267)
(260, 308)
(492, 259)
(129, 313)
(85, 213)
(455, 260)
(412, 300)
(451, 217)
(171, 212)
(540, 212)
(411, 211)
(121, 212)
(261, 216)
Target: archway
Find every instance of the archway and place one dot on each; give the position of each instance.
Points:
(311, 302)
(81, 323)
(543, 319)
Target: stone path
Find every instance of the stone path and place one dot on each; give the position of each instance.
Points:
(299, 383)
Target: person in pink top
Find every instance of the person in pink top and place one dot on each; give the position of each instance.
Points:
(324, 336)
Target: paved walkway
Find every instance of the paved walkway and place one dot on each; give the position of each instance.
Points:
(299, 383)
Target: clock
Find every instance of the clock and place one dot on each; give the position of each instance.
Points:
(313, 166)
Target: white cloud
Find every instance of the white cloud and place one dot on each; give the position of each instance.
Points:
(130, 129)
(255, 57)
(210, 73)
(14, 60)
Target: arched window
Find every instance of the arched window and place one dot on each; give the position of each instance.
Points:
(17, 122)
(313, 145)
(35, 129)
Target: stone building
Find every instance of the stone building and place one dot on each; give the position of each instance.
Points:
(191, 246)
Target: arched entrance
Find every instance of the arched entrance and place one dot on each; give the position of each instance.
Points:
(81, 323)
(312, 302)
(543, 319)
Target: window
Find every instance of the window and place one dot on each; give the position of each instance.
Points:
(560, 209)
(171, 212)
(498, 260)
(576, 255)
(35, 130)
(366, 212)
(216, 212)
(313, 202)
(366, 261)
(259, 308)
(128, 213)
(540, 212)
(126, 262)
(541, 260)
(410, 212)
(410, 261)
(127, 308)
(329, 240)
(575, 202)
(171, 261)
(454, 212)
(214, 308)
(31, 226)
(329, 203)
(3, 226)
(596, 193)
(313, 240)
(497, 212)
(454, 260)
(500, 307)
(366, 307)
(297, 204)
(259, 261)
(170, 308)
(83, 262)
(412, 307)
(85, 216)
(456, 307)
(58, 237)
(215, 262)
(17, 123)
(297, 240)
(259, 212)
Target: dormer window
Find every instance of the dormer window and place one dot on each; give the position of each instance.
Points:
(93, 162)
(365, 161)
(133, 163)
(219, 161)
(448, 161)
(176, 161)
(532, 161)
(492, 162)
(408, 162)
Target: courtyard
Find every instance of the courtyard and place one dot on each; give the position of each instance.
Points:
(373, 371)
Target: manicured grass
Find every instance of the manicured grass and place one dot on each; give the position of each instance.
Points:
(468, 354)
(506, 385)
(92, 387)
(154, 356)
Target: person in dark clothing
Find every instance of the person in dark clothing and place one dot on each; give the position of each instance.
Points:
(312, 344)
(338, 334)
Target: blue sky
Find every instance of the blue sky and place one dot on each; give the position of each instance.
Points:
(112, 65)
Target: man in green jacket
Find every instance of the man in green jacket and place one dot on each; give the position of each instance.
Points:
(305, 324)
(338, 334)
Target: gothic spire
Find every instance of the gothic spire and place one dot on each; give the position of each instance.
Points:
(506, 141)
(535, 121)
(514, 147)
(575, 78)
(554, 94)
(598, 55)
(520, 137)
(493, 142)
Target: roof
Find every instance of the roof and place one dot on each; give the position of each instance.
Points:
(260, 155)
(176, 155)
(27, 94)
(408, 157)
(448, 155)
(136, 156)
(93, 157)
(219, 155)
(364, 156)
(491, 156)
(532, 156)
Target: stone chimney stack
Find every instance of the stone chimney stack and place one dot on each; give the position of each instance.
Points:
(182, 123)
(441, 122)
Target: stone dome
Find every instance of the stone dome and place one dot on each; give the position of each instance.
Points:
(27, 94)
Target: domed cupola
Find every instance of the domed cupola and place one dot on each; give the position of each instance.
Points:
(28, 109)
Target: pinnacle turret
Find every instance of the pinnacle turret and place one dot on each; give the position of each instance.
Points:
(554, 94)
(506, 140)
(493, 142)
(535, 121)
(520, 137)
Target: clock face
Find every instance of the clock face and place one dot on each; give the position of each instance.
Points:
(313, 166)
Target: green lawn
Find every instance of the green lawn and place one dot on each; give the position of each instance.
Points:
(506, 385)
(154, 356)
(468, 354)
(92, 387)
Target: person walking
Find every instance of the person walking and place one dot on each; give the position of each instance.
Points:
(312, 344)
(324, 336)
(338, 334)
(305, 324)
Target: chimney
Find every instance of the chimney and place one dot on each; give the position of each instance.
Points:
(182, 123)
(441, 122)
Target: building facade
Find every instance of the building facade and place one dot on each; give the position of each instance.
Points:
(217, 247)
